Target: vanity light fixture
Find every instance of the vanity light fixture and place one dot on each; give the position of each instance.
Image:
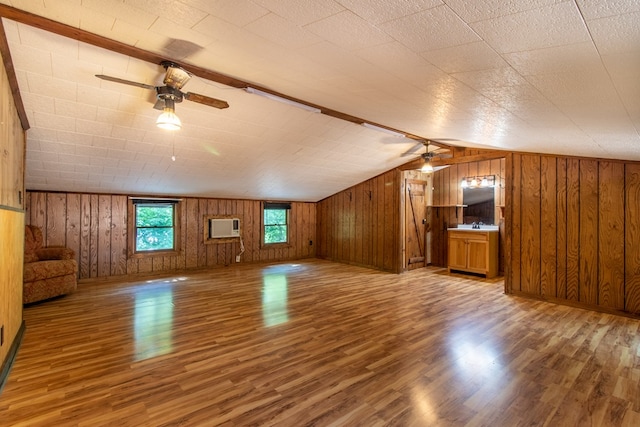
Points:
(478, 181)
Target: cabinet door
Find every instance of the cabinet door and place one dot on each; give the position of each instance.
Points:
(477, 261)
(457, 253)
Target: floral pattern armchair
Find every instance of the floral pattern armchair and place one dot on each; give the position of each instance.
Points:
(48, 272)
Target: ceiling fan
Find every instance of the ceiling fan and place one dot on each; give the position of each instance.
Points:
(169, 94)
(428, 155)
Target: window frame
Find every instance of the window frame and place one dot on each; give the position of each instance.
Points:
(133, 228)
(286, 206)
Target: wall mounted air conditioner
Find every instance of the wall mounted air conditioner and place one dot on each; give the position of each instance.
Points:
(224, 227)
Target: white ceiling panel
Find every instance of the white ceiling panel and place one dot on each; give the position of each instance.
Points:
(546, 76)
(555, 25)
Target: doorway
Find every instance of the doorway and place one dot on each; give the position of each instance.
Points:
(416, 225)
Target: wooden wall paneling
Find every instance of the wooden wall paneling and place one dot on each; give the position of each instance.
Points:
(311, 230)
(378, 253)
(352, 224)
(445, 195)
(611, 211)
(358, 197)
(104, 235)
(561, 228)
(11, 272)
(94, 230)
(191, 225)
(84, 264)
(588, 231)
(56, 213)
(39, 211)
(548, 228)
(342, 250)
(388, 223)
(27, 207)
(517, 224)
(256, 225)
(436, 193)
(73, 225)
(573, 229)
(454, 186)
(118, 235)
(209, 207)
(632, 238)
(222, 249)
(368, 224)
(530, 217)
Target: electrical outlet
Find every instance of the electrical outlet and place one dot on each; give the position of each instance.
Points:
(237, 258)
(310, 242)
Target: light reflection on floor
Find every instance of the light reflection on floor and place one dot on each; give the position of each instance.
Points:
(274, 298)
(153, 319)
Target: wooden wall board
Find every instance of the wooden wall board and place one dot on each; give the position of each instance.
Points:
(573, 229)
(548, 225)
(588, 240)
(561, 228)
(530, 263)
(632, 238)
(611, 212)
(514, 282)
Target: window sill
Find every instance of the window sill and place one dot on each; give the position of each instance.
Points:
(150, 254)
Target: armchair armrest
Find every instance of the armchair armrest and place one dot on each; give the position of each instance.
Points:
(53, 253)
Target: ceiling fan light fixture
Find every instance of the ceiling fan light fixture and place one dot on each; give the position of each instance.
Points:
(168, 120)
(427, 167)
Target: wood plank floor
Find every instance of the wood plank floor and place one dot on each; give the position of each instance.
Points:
(322, 344)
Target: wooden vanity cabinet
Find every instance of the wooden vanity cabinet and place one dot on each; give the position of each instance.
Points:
(474, 251)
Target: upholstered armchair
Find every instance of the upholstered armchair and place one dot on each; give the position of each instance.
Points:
(48, 272)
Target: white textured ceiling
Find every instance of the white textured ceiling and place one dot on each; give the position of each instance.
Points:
(529, 75)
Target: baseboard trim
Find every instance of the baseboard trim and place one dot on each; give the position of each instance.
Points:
(11, 356)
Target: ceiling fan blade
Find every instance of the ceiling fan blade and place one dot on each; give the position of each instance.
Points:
(412, 150)
(123, 81)
(201, 99)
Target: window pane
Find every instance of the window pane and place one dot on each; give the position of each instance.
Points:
(275, 233)
(154, 239)
(154, 216)
(275, 216)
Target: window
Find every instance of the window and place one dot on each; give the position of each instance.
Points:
(155, 226)
(275, 220)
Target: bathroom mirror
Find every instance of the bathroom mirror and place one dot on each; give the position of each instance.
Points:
(480, 205)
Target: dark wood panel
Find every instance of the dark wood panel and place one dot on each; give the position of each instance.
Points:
(530, 218)
(632, 238)
(73, 224)
(56, 212)
(589, 231)
(104, 235)
(611, 235)
(516, 221)
(573, 229)
(118, 247)
(548, 226)
(561, 228)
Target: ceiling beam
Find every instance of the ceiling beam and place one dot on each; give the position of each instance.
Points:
(78, 34)
(13, 79)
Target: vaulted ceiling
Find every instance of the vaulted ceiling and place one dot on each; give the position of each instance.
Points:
(545, 76)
